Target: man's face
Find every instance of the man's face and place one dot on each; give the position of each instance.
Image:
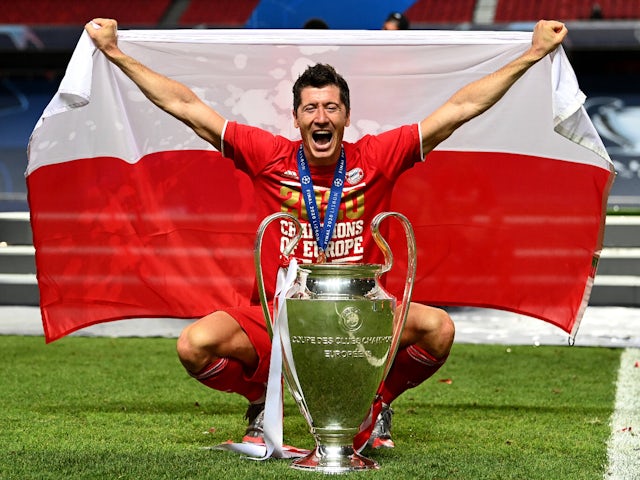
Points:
(321, 118)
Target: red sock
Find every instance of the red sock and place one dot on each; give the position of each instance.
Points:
(227, 375)
(411, 367)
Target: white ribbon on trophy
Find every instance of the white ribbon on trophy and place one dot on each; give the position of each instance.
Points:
(273, 446)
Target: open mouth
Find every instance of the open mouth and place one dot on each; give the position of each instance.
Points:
(322, 137)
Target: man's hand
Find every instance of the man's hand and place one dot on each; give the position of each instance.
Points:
(104, 33)
(547, 36)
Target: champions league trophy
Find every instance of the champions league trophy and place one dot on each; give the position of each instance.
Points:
(340, 331)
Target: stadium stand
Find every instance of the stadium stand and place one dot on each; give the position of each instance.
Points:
(565, 10)
(437, 11)
(57, 12)
(228, 13)
(235, 13)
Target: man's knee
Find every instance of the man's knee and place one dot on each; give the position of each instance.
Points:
(198, 342)
(445, 325)
(431, 328)
(218, 335)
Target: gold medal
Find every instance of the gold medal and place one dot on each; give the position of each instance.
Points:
(322, 258)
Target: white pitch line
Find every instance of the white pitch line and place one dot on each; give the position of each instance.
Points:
(623, 448)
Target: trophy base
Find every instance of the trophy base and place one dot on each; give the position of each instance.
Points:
(334, 460)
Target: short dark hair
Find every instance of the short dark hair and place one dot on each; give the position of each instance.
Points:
(318, 76)
(316, 23)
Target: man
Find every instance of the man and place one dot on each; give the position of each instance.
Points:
(396, 21)
(316, 24)
(228, 350)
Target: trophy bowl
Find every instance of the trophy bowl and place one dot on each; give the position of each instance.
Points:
(341, 331)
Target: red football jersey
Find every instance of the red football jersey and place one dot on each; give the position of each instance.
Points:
(373, 164)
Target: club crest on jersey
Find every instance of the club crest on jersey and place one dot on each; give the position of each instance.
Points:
(354, 176)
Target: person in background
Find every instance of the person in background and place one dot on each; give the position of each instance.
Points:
(316, 24)
(396, 21)
(596, 12)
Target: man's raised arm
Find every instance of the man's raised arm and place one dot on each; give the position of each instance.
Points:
(477, 97)
(170, 95)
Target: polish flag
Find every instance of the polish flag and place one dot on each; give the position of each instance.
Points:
(135, 216)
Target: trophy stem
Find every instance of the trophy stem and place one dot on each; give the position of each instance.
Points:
(334, 454)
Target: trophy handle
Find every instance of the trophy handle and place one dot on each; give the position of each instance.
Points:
(257, 255)
(401, 313)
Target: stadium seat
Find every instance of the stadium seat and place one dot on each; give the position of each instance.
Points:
(228, 13)
(437, 11)
(60, 12)
(520, 11)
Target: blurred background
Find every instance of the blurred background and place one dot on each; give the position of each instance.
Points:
(37, 38)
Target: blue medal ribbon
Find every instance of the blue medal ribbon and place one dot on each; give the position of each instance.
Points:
(324, 232)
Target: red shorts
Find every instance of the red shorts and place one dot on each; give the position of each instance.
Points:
(252, 321)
